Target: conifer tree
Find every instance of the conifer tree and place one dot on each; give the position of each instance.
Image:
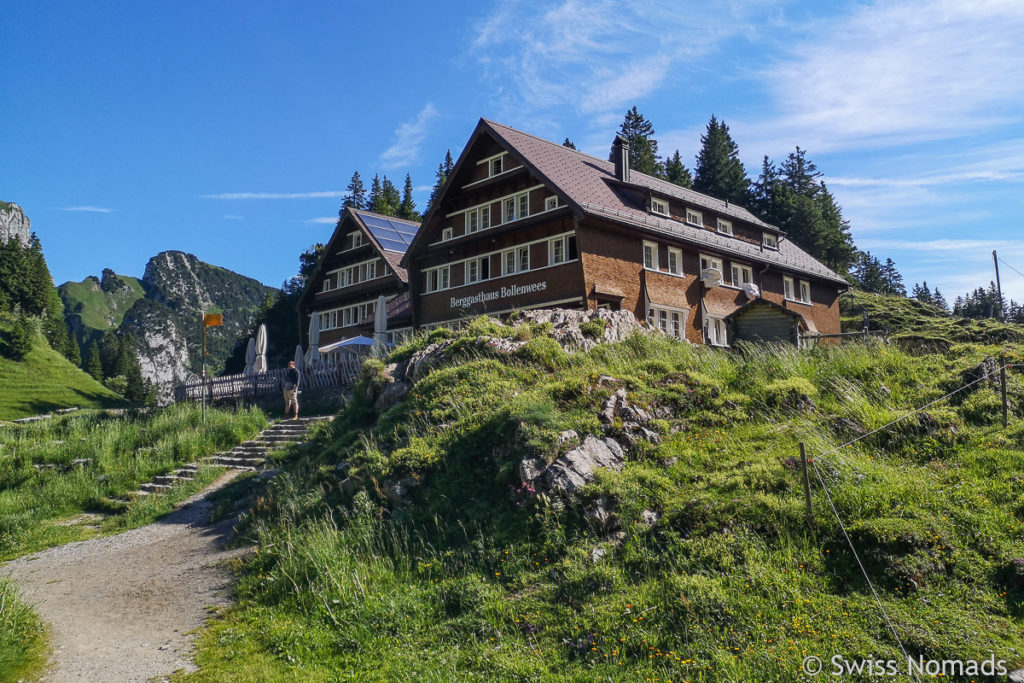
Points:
(763, 191)
(375, 192)
(719, 171)
(866, 272)
(388, 200)
(110, 350)
(444, 169)
(356, 197)
(939, 301)
(643, 148)
(893, 279)
(92, 365)
(568, 143)
(676, 172)
(407, 209)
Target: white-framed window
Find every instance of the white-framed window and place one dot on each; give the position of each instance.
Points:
(724, 226)
(327, 284)
(328, 320)
(447, 234)
(770, 240)
(659, 207)
(478, 269)
(516, 207)
(515, 260)
(354, 239)
(716, 332)
(804, 292)
(675, 261)
(711, 262)
(367, 271)
(346, 277)
(741, 275)
(472, 221)
(495, 166)
(650, 256)
(669, 320)
(694, 218)
(438, 279)
(485, 217)
(551, 203)
(788, 288)
(561, 249)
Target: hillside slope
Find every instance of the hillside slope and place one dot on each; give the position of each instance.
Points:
(434, 532)
(163, 312)
(43, 381)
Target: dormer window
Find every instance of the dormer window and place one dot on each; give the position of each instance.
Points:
(659, 207)
(724, 227)
(770, 240)
(694, 218)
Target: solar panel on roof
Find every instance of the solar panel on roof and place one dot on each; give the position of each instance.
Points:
(392, 245)
(391, 235)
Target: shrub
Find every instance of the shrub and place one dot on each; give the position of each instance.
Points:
(593, 328)
(789, 392)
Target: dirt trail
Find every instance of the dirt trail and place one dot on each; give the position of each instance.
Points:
(119, 607)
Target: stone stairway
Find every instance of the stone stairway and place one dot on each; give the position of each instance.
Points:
(249, 455)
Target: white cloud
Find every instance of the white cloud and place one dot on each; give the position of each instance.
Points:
(595, 56)
(273, 195)
(87, 209)
(409, 137)
(326, 220)
(893, 73)
(233, 217)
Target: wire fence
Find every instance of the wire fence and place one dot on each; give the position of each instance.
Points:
(999, 371)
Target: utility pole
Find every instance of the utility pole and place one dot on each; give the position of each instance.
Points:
(999, 287)
(204, 368)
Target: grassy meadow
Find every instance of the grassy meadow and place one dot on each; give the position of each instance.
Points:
(483, 578)
(44, 380)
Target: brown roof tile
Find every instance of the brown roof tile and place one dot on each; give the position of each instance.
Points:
(588, 183)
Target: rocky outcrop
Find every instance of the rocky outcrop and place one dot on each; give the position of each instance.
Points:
(574, 470)
(583, 330)
(160, 344)
(14, 224)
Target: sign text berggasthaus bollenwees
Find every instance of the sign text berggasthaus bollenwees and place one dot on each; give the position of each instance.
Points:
(495, 294)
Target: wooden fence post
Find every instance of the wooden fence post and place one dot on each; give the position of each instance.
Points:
(1002, 385)
(807, 487)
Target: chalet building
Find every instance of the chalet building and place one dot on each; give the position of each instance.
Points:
(359, 263)
(527, 223)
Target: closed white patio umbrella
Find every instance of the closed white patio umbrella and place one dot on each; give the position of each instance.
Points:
(260, 362)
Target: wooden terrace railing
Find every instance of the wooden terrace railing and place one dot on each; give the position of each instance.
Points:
(340, 371)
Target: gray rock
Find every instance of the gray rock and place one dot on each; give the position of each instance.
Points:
(619, 325)
(14, 225)
(530, 469)
(599, 517)
(399, 492)
(597, 554)
(650, 517)
(568, 436)
(391, 395)
(575, 469)
(613, 406)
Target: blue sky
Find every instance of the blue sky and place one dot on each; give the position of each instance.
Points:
(230, 130)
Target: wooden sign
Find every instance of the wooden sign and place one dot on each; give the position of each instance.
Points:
(213, 320)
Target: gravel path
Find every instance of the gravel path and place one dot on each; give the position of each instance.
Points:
(120, 606)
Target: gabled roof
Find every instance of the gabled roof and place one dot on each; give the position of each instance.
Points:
(806, 322)
(590, 186)
(390, 237)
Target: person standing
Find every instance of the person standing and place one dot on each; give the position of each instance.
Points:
(291, 390)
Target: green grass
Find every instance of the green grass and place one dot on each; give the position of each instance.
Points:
(483, 579)
(41, 508)
(22, 636)
(44, 381)
(903, 317)
(100, 310)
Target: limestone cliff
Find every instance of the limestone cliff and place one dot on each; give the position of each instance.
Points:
(14, 224)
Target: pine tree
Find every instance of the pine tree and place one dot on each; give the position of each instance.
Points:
(568, 143)
(763, 192)
(939, 301)
(92, 365)
(866, 272)
(407, 209)
(676, 172)
(893, 279)
(719, 171)
(643, 148)
(375, 192)
(388, 199)
(444, 169)
(356, 197)
(110, 349)
(72, 351)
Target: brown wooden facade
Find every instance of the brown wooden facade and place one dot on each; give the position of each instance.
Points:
(527, 223)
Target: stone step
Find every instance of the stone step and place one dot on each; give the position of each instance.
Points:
(165, 479)
(228, 461)
(262, 450)
(154, 488)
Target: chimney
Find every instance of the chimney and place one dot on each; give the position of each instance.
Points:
(620, 150)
